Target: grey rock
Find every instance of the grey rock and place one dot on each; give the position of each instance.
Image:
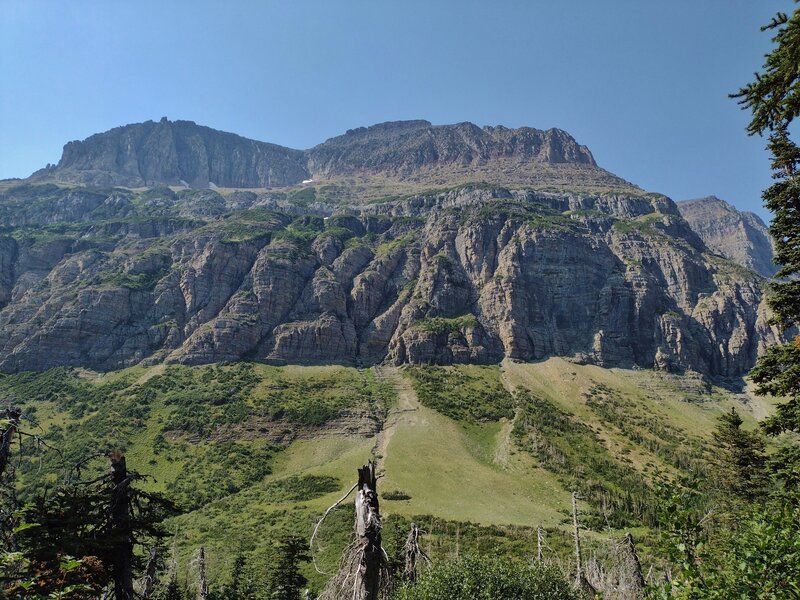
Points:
(737, 235)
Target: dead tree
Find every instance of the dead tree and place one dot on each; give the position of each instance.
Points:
(539, 543)
(201, 568)
(580, 577)
(413, 553)
(368, 534)
(12, 415)
(359, 576)
(636, 566)
(121, 527)
(149, 579)
(577, 537)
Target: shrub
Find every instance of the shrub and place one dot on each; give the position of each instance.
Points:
(489, 579)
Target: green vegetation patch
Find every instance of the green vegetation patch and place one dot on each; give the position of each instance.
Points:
(496, 577)
(294, 396)
(619, 494)
(300, 488)
(133, 281)
(203, 398)
(304, 197)
(647, 430)
(216, 470)
(470, 393)
(438, 325)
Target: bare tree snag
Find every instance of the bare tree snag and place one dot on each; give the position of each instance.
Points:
(201, 568)
(359, 575)
(149, 579)
(368, 534)
(580, 576)
(636, 566)
(121, 527)
(576, 535)
(13, 415)
(539, 543)
(413, 553)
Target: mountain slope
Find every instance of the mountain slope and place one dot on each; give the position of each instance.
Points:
(737, 235)
(266, 458)
(471, 274)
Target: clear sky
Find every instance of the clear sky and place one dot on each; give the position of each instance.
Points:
(644, 84)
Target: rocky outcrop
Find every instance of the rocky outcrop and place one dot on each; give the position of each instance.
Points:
(175, 153)
(473, 274)
(737, 235)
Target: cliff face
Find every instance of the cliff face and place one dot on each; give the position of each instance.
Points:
(171, 152)
(184, 153)
(407, 146)
(739, 236)
(471, 274)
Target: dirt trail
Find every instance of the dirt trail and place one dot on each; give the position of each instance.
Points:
(405, 412)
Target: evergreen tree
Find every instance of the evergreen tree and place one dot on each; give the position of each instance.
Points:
(739, 461)
(285, 580)
(173, 590)
(774, 100)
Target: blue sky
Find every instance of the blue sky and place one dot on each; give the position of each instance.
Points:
(644, 84)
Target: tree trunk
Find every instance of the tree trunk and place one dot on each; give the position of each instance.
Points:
(577, 537)
(121, 526)
(6, 435)
(539, 543)
(368, 534)
(201, 567)
(411, 551)
(148, 583)
(580, 576)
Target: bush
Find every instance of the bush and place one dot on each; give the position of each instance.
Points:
(489, 579)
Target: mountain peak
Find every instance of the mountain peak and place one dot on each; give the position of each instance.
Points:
(737, 235)
(180, 152)
(403, 147)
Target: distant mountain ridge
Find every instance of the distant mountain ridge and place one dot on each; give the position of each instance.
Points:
(737, 235)
(184, 153)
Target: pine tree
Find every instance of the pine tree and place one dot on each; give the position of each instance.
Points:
(284, 577)
(774, 100)
(739, 460)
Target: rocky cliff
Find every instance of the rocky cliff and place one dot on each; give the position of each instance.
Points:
(175, 153)
(414, 152)
(473, 273)
(739, 236)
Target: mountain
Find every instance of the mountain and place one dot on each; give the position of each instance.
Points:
(241, 343)
(737, 235)
(106, 279)
(171, 152)
(442, 154)
(184, 153)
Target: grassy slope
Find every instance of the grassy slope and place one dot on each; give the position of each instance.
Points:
(469, 469)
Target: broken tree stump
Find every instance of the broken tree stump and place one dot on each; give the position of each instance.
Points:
(359, 576)
(121, 527)
(368, 534)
